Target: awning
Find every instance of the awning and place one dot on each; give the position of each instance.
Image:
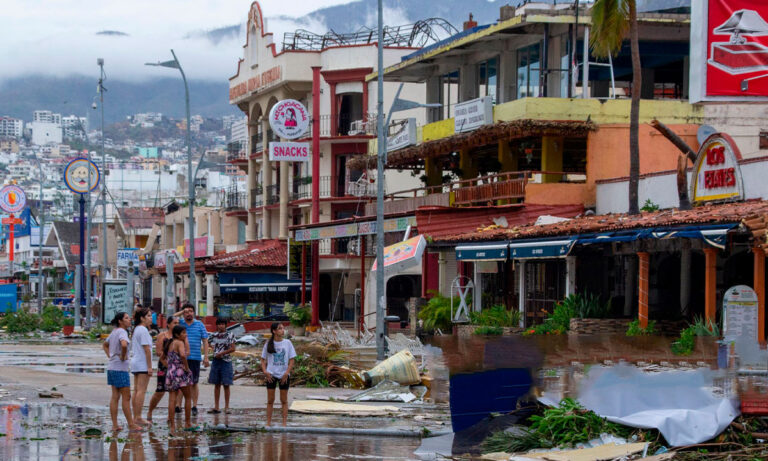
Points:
(715, 236)
(540, 249)
(491, 252)
(258, 283)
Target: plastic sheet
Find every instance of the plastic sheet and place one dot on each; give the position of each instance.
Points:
(385, 391)
(683, 405)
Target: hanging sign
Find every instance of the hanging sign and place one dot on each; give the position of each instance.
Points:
(403, 138)
(740, 313)
(12, 199)
(716, 172)
(76, 175)
(289, 119)
(289, 151)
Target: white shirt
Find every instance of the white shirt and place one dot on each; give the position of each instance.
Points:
(277, 363)
(115, 349)
(141, 338)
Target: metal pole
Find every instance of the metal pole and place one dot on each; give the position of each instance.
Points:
(170, 287)
(88, 248)
(191, 180)
(585, 70)
(382, 139)
(130, 286)
(79, 287)
(40, 245)
(103, 274)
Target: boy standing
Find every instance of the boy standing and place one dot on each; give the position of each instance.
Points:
(221, 374)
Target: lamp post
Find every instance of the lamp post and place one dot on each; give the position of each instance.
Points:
(381, 158)
(41, 226)
(101, 90)
(175, 64)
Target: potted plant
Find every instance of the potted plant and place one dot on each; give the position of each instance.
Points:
(299, 316)
(69, 326)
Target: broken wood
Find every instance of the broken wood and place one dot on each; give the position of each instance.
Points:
(681, 145)
(682, 162)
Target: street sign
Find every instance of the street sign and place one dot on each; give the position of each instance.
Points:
(126, 255)
(15, 221)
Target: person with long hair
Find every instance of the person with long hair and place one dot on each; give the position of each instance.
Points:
(178, 378)
(277, 362)
(141, 360)
(162, 365)
(116, 349)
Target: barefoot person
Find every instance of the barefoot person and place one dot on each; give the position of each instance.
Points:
(141, 361)
(162, 365)
(196, 334)
(221, 374)
(116, 348)
(277, 362)
(178, 378)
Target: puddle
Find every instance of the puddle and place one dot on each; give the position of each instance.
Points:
(54, 431)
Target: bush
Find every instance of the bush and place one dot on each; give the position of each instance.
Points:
(52, 318)
(436, 314)
(634, 328)
(299, 315)
(496, 316)
(486, 330)
(687, 341)
(21, 321)
(587, 306)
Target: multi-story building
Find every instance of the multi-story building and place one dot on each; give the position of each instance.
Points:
(11, 127)
(74, 127)
(46, 128)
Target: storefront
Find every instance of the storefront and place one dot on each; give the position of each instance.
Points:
(257, 296)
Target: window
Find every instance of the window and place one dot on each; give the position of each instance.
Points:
(449, 93)
(528, 65)
(240, 231)
(487, 78)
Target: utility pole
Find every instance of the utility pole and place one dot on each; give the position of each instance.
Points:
(103, 272)
(381, 309)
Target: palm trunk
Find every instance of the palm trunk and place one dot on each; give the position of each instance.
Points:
(634, 113)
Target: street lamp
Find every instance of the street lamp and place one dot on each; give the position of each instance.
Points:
(397, 105)
(175, 64)
(41, 226)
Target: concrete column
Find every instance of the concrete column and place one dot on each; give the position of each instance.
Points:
(759, 285)
(477, 304)
(267, 182)
(570, 275)
(198, 286)
(209, 281)
(433, 96)
(710, 284)
(467, 165)
(507, 77)
(551, 158)
(642, 287)
(521, 292)
(506, 158)
(685, 281)
(467, 82)
(441, 262)
(163, 298)
(433, 172)
(284, 167)
(253, 176)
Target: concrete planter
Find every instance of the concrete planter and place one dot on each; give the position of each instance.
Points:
(464, 331)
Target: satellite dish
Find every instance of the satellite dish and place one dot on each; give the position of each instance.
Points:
(704, 132)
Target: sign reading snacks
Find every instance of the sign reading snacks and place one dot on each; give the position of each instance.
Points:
(289, 119)
(289, 151)
(471, 115)
(716, 173)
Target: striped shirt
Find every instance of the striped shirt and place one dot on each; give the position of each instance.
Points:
(195, 335)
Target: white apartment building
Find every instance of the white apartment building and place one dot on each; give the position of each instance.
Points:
(46, 116)
(74, 127)
(46, 128)
(11, 127)
(22, 170)
(238, 131)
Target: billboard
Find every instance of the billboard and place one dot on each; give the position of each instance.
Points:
(729, 50)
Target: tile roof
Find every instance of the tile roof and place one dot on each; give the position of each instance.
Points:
(442, 222)
(68, 234)
(707, 214)
(141, 218)
(266, 253)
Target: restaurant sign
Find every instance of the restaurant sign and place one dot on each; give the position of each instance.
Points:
(289, 119)
(405, 137)
(289, 151)
(716, 172)
(471, 115)
(256, 83)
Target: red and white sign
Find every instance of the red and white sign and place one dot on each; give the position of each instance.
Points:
(734, 65)
(289, 119)
(716, 173)
(203, 247)
(289, 151)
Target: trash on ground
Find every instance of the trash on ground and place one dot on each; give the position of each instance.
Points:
(251, 340)
(398, 342)
(50, 395)
(400, 368)
(92, 432)
(332, 333)
(685, 406)
(385, 391)
(607, 451)
(335, 408)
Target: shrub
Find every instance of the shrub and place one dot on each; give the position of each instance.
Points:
(587, 306)
(436, 314)
(687, 341)
(52, 318)
(486, 330)
(21, 321)
(634, 328)
(299, 315)
(497, 316)
(702, 327)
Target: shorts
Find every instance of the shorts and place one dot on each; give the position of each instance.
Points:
(194, 367)
(275, 382)
(137, 373)
(221, 373)
(160, 382)
(118, 379)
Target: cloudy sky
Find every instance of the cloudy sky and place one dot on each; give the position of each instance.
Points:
(62, 37)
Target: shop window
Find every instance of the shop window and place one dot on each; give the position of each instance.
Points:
(528, 75)
(487, 77)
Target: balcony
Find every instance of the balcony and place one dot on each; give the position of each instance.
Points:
(301, 187)
(346, 125)
(257, 197)
(257, 143)
(236, 152)
(235, 200)
(272, 194)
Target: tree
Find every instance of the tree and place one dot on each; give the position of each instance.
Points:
(611, 20)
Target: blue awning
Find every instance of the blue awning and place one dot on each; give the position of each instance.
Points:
(534, 249)
(258, 283)
(715, 235)
(486, 252)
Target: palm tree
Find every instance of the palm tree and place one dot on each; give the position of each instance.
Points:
(611, 19)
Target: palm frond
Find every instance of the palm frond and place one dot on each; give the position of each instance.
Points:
(610, 24)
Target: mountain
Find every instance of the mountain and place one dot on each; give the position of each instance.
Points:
(21, 96)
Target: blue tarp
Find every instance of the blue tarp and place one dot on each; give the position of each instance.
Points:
(236, 282)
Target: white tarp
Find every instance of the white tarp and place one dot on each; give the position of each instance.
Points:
(682, 405)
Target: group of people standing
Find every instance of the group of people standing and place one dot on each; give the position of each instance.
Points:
(180, 350)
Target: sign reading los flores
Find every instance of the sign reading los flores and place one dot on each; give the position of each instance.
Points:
(257, 82)
(716, 173)
(289, 119)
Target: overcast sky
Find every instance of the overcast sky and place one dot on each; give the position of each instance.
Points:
(60, 37)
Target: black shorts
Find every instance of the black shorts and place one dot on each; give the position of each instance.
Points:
(194, 366)
(275, 382)
(137, 373)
